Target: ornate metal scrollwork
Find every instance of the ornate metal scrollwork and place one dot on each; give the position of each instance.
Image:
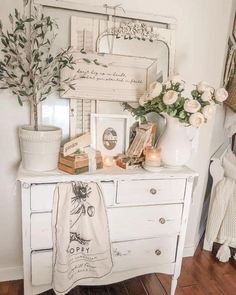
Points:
(134, 30)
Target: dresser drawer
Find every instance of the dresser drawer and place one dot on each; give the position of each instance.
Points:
(41, 266)
(143, 253)
(41, 231)
(124, 223)
(150, 191)
(42, 195)
(127, 255)
(144, 222)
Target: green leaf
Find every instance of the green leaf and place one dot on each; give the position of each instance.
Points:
(28, 20)
(71, 87)
(4, 42)
(87, 60)
(194, 93)
(16, 13)
(20, 101)
(25, 2)
(182, 114)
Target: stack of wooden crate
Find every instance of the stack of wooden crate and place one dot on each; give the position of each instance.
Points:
(77, 163)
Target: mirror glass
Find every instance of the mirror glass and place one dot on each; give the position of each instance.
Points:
(134, 47)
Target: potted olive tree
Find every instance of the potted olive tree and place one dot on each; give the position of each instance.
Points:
(30, 70)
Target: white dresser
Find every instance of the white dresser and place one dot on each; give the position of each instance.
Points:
(147, 212)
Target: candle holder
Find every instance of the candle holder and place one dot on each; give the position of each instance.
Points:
(108, 161)
(152, 159)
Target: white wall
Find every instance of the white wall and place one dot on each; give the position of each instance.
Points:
(11, 116)
(200, 49)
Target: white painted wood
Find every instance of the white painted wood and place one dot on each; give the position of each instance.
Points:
(144, 253)
(136, 227)
(144, 221)
(25, 199)
(41, 267)
(168, 21)
(116, 276)
(136, 223)
(128, 255)
(41, 232)
(84, 32)
(42, 197)
(109, 190)
(183, 228)
(150, 191)
(106, 174)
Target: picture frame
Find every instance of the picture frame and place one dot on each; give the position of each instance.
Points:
(110, 133)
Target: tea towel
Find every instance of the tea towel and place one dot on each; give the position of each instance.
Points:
(81, 245)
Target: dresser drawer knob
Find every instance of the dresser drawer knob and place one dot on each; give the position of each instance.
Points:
(153, 191)
(162, 220)
(158, 252)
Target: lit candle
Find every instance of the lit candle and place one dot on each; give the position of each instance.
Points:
(152, 157)
(108, 161)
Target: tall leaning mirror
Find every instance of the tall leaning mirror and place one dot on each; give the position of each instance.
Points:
(107, 34)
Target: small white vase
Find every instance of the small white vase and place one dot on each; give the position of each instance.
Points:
(40, 149)
(174, 143)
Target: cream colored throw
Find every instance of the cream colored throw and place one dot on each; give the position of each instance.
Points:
(81, 245)
(221, 224)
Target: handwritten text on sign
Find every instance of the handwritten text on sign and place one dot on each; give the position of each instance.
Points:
(110, 77)
(103, 76)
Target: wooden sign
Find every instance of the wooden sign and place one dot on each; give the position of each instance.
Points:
(110, 77)
(77, 143)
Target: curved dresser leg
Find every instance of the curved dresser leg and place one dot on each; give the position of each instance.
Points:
(174, 282)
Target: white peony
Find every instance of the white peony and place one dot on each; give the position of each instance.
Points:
(206, 96)
(192, 106)
(208, 111)
(170, 97)
(155, 89)
(196, 119)
(143, 99)
(203, 86)
(221, 94)
(176, 79)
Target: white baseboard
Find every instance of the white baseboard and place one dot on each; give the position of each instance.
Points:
(11, 273)
(189, 251)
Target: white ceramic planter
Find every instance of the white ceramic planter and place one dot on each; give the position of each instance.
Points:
(174, 143)
(40, 149)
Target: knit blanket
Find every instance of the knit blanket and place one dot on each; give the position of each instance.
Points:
(81, 245)
(221, 223)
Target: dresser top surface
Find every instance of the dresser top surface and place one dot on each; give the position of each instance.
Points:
(106, 174)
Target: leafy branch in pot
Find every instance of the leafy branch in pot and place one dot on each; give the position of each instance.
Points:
(28, 66)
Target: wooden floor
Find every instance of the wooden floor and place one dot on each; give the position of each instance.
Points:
(201, 275)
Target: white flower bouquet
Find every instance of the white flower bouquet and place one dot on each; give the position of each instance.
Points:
(168, 98)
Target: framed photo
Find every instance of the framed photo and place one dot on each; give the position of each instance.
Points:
(110, 133)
